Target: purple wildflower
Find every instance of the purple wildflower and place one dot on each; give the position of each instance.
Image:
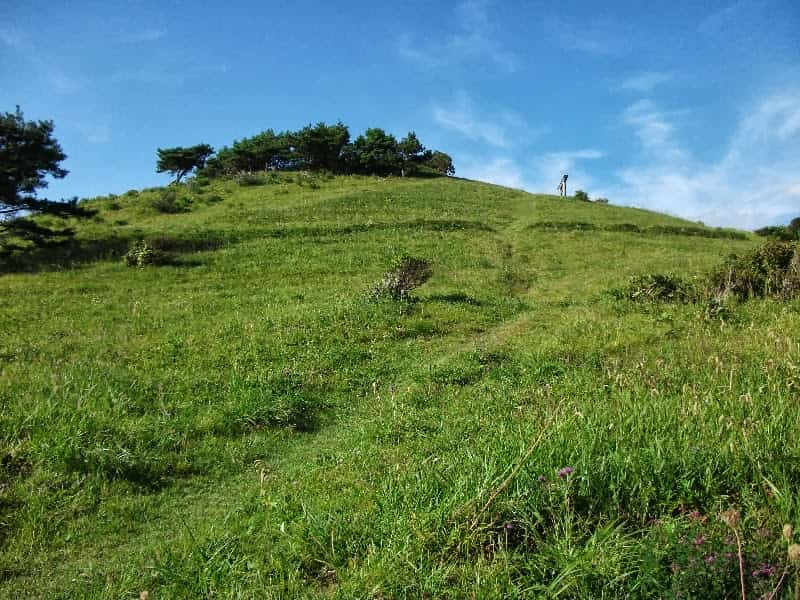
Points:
(710, 559)
(565, 472)
(700, 540)
(542, 478)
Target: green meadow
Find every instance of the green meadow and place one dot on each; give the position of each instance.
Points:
(247, 422)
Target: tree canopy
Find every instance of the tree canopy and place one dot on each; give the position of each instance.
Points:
(28, 155)
(179, 161)
(329, 148)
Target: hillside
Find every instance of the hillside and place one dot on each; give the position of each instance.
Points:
(246, 422)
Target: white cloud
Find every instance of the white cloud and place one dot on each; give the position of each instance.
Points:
(502, 171)
(752, 184)
(598, 37)
(645, 82)
(472, 40)
(501, 130)
(654, 129)
(540, 175)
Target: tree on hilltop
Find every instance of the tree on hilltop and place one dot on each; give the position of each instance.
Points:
(412, 153)
(179, 161)
(28, 154)
(441, 162)
(320, 146)
(375, 153)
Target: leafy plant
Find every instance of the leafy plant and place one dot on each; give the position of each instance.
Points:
(581, 196)
(658, 287)
(167, 202)
(408, 273)
(771, 270)
(145, 253)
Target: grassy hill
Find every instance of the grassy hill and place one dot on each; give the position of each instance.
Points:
(247, 422)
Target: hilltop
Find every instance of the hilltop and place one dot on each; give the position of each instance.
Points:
(244, 420)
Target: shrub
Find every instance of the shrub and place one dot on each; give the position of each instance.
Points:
(145, 253)
(407, 274)
(601, 200)
(658, 287)
(771, 270)
(581, 196)
(250, 179)
(169, 203)
(777, 232)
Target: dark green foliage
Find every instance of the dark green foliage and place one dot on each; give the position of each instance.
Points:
(658, 287)
(771, 270)
(412, 153)
(778, 232)
(28, 155)
(652, 230)
(320, 147)
(581, 196)
(168, 202)
(440, 163)
(179, 161)
(251, 179)
(324, 147)
(601, 200)
(375, 153)
(782, 232)
(407, 274)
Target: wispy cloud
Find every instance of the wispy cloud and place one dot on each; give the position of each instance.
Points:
(655, 130)
(754, 183)
(472, 40)
(598, 37)
(540, 175)
(646, 82)
(502, 129)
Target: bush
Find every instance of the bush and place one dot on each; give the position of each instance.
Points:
(169, 203)
(251, 179)
(145, 253)
(601, 200)
(658, 287)
(771, 270)
(407, 274)
(581, 196)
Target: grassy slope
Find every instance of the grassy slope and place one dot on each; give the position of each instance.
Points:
(246, 424)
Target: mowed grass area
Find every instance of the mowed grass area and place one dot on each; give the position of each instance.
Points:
(246, 422)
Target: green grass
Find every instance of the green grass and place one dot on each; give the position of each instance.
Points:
(245, 422)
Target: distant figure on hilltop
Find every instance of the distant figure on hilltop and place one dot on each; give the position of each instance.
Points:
(562, 186)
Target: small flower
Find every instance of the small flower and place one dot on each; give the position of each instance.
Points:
(542, 478)
(794, 552)
(565, 472)
(695, 515)
(731, 518)
(788, 531)
(710, 559)
(700, 540)
(509, 526)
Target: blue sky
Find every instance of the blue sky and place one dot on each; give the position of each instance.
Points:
(688, 108)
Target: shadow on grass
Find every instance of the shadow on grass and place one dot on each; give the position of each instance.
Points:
(76, 252)
(455, 298)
